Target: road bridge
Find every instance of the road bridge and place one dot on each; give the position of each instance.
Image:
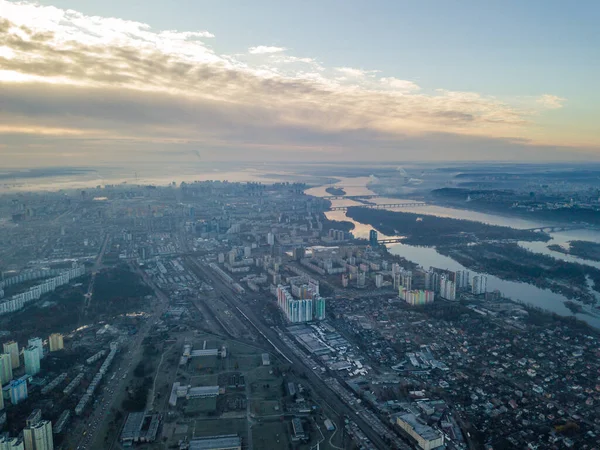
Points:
(390, 240)
(379, 206)
(350, 197)
(556, 228)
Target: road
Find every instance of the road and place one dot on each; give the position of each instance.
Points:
(113, 391)
(95, 269)
(317, 384)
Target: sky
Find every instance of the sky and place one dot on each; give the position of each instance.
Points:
(107, 82)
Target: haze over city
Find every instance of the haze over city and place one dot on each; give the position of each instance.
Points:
(108, 82)
(313, 225)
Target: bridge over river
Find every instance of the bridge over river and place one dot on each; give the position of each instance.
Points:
(556, 228)
(379, 206)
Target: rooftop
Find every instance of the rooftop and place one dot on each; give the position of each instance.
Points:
(423, 430)
(216, 442)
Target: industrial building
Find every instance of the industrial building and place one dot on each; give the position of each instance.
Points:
(202, 392)
(140, 427)
(298, 429)
(224, 442)
(427, 438)
(188, 392)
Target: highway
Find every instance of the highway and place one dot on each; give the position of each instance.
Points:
(112, 391)
(316, 383)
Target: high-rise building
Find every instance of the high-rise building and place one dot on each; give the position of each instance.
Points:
(361, 278)
(406, 279)
(378, 280)
(373, 238)
(231, 256)
(462, 279)
(11, 443)
(12, 348)
(344, 280)
(39, 436)
(31, 356)
(1, 408)
(299, 253)
(479, 284)
(417, 297)
(313, 286)
(432, 281)
(37, 342)
(18, 390)
(295, 310)
(447, 288)
(6, 373)
(270, 239)
(56, 342)
(319, 304)
(34, 417)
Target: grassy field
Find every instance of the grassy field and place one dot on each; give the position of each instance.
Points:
(239, 348)
(270, 436)
(265, 385)
(226, 413)
(244, 362)
(204, 380)
(209, 427)
(205, 365)
(265, 407)
(201, 405)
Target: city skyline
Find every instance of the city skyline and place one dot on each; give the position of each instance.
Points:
(108, 83)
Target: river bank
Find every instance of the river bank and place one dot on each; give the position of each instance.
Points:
(521, 292)
(581, 249)
(420, 229)
(509, 261)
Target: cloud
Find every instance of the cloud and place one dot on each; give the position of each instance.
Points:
(551, 101)
(292, 59)
(264, 49)
(355, 73)
(70, 80)
(400, 85)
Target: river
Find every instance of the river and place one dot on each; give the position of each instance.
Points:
(428, 256)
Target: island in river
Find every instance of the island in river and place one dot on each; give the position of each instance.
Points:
(509, 261)
(487, 249)
(433, 230)
(583, 249)
(335, 191)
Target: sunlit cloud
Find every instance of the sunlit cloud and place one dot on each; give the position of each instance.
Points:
(400, 85)
(551, 101)
(122, 83)
(356, 73)
(262, 49)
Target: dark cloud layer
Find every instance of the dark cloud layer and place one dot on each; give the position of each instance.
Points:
(73, 92)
